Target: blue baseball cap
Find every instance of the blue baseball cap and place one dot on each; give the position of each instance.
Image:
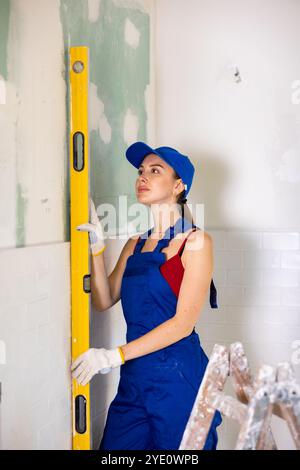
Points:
(181, 163)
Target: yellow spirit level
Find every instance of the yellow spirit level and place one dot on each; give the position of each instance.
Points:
(79, 185)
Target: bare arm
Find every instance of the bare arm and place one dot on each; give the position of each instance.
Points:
(105, 290)
(100, 289)
(192, 295)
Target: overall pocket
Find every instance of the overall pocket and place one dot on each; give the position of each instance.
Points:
(194, 383)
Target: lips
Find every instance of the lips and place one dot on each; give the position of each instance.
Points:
(142, 188)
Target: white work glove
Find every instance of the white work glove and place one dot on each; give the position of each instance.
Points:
(95, 230)
(94, 360)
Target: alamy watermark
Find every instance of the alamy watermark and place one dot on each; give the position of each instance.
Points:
(136, 218)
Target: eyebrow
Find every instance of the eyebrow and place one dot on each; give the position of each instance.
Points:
(154, 164)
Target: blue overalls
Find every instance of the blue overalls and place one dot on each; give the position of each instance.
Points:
(156, 391)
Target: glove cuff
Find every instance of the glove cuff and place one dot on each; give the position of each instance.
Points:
(121, 354)
(115, 357)
(96, 252)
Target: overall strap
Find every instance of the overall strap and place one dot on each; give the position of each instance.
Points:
(136, 247)
(141, 241)
(180, 226)
(213, 295)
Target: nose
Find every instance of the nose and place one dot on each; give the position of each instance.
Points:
(142, 178)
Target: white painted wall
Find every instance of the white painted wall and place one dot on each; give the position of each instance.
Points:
(244, 139)
(33, 124)
(35, 326)
(35, 407)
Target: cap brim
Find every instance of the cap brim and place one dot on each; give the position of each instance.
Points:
(137, 152)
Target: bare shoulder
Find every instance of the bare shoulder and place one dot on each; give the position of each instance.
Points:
(199, 234)
(199, 240)
(197, 246)
(130, 244)
(134, 237)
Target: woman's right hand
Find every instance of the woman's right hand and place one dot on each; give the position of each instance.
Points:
(95, 231)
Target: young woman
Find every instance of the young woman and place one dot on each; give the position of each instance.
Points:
(162, 278)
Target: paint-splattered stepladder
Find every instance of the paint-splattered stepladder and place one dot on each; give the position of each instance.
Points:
(79, 187)
(273, 390)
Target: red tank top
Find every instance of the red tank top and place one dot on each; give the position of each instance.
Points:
(172, 269)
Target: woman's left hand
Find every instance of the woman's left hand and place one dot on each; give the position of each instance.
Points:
(94, 360)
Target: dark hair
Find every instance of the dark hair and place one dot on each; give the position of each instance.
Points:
(181, 199)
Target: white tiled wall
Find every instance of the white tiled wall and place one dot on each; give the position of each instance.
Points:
(257, 276)
(35, 407)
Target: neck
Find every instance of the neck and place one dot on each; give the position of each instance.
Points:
(164, 216)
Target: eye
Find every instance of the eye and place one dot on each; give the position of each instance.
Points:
(153, 169)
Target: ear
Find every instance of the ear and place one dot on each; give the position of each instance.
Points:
(179, 187)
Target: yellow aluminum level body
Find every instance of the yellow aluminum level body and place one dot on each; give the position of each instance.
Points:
(79, 186)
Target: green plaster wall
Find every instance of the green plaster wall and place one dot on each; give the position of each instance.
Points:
(21, 202)
(4, 24)
(21, 205)
(121, 74)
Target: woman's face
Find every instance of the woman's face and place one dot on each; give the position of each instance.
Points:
(156, 183)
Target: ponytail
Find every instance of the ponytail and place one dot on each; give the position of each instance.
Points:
(182, 201)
